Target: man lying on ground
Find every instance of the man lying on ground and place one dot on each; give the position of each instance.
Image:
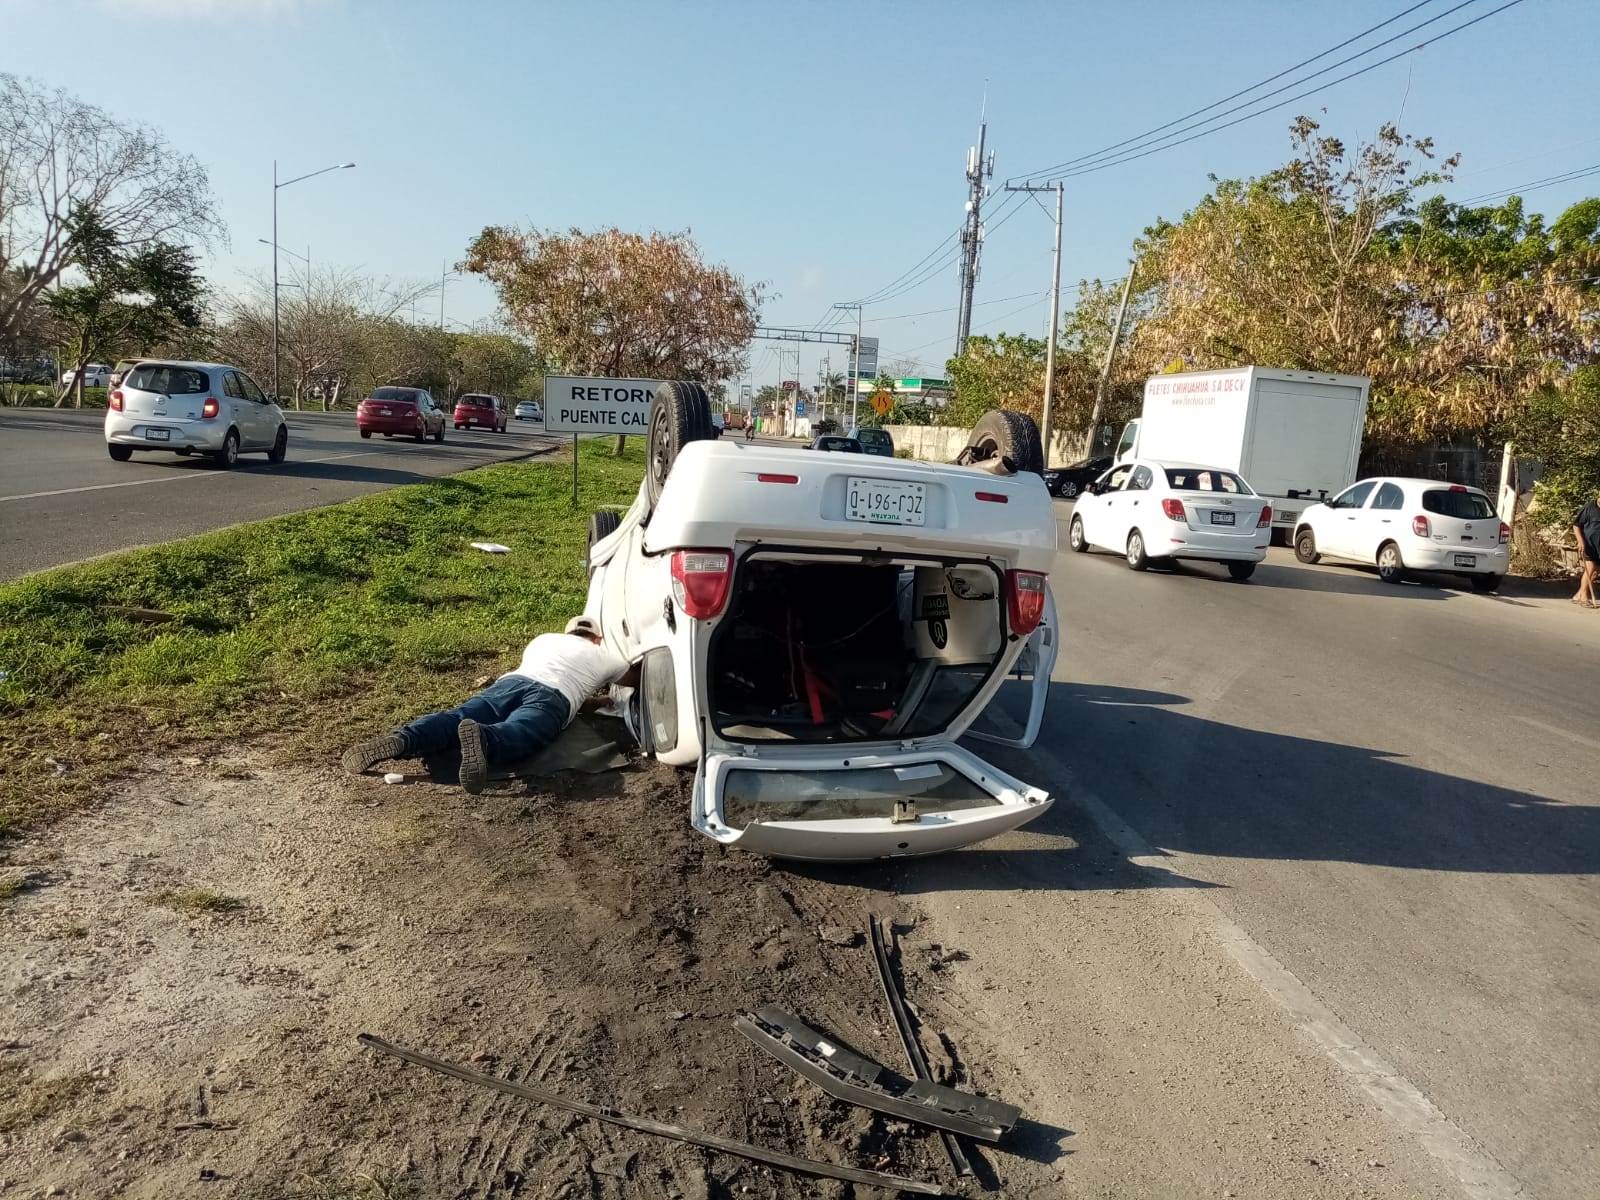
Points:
(513, 718)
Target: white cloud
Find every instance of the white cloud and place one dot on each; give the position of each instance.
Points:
(213, 10)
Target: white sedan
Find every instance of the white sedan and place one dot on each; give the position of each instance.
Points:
(1148, 510)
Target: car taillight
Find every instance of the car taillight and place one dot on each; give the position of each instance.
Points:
(1266, 517)
(1505, 533)
(701, 580)
(1420, 527)
(210, 408)
(116, 400)
(764, 478)
(1024, 601)
(1173, 509)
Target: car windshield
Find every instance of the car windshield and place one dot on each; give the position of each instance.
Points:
(168, 380)
(1459, 503)
(1206, 479)
(394, 393)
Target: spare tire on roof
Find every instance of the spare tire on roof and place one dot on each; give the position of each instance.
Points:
(679, 414)
(1005, 438)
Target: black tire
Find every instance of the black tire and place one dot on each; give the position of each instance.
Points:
(1069, 489)
(601, 525)
(280, 446)
(366, 433)
(1391, 567)
(1486, 583)
(1075, 537)
(119, 453)
(439, 437)
(228, 456)
(1305, 547)
(1241, 570)
(1138, 560)
(1002, 433)
(679, 414)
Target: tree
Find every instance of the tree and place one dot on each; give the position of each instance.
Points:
(495, 362)
(1561, 429)
(620, 304)
(58, 156)
(131, 298)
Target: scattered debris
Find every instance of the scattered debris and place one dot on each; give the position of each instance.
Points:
(859, 1080)
(618, 1166)
(709, 1141)
(838, 935)
(491, 547)
(394, 777)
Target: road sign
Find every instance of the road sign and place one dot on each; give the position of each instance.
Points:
(584, 405)
(882, 402)
(867, 368)
(799, 408)
(789, 385)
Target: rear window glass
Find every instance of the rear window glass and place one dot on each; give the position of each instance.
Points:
(873, 437)
(474, 398)
(840, 443)
(168, 380)
(845, 795)
(394, 393)
(1187, 479)
(1467, 506)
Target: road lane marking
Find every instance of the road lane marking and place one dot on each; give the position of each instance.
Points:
(100, 487)
(1477, 1171)
(1557, 731)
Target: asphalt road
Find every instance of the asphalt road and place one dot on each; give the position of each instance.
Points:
(62, 499)
(1390, 790)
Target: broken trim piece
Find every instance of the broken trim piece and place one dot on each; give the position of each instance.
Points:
(710, 1141)
(861, 1081)
(908, 1036)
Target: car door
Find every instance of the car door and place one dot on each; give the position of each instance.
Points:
(241, 413)
(1338, 536)
(1103, 526)
(263, 413)
(1134, 507)
(1037, 663)
(1383, 519)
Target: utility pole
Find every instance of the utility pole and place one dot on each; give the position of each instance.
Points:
(1055, 312)
(978, 169)
(1105, 368)
(855, 368)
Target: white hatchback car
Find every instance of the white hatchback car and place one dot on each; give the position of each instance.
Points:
(816, 631)
(1147, 510)
(193, 408)
(1403, 525)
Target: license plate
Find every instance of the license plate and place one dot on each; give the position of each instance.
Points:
(386, 412)
(158, 435)
(1466, 560)
(883, 502)
(1222, 518)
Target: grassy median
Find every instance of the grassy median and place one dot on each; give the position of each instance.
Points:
(323, 624)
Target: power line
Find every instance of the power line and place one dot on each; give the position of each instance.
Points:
(1534, 185)
(876, 296)
(1117, 162)
(929, 312)
(1149, 133)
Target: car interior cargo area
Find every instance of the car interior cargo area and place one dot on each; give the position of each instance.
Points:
(822, 651)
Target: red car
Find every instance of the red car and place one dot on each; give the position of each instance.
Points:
(400, 412)
(482, 410)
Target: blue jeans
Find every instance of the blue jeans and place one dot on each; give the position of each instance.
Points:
(519, 717)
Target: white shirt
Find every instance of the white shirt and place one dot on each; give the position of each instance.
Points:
(574, 666)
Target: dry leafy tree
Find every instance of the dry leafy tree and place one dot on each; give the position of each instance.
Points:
(620, 304)
(58, 156)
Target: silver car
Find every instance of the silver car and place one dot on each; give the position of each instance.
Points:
(529, 410)
(193, 408)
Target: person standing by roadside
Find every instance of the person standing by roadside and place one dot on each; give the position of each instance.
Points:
(1586, 528)
(517, 715)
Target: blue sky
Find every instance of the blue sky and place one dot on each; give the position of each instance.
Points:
(816, 146)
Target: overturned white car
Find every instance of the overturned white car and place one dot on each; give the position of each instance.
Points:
(815, 631)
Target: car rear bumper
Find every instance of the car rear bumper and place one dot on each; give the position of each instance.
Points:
(1194, 543)
(205, 435)
(1488, 560)
(475, 418)
(406, 425)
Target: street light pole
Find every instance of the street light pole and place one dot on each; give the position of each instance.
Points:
(276, 186)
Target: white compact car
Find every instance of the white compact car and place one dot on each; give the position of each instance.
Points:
(193, 408)
(816, 631)
(95, 375)
(1147, 511)
(1403, 525)
(528, 410)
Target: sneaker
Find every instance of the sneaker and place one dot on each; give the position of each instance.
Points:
(363, 756)
(474, 762)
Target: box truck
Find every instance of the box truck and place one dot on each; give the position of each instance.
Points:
(1294, 435)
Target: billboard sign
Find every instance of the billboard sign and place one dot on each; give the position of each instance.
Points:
(868, 368)
(574, 404)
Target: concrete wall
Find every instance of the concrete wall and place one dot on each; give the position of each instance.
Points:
(937, 443)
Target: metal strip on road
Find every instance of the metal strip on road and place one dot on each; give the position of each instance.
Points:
(100, 487)
(1479, 1173)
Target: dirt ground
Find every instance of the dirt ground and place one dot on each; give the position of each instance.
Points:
(186, 970)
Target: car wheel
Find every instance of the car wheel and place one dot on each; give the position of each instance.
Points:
(1138, 560)
(1486, 583)
(1391, 567)
(439, 437)
(366, 433)
(1075, 537)
(1305, 547)
(229, 454)
(1003, 434)
(680, 413)
(280, 446)
(1069, 489)
(1241, 570)
(119, 453)
(601, 525)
